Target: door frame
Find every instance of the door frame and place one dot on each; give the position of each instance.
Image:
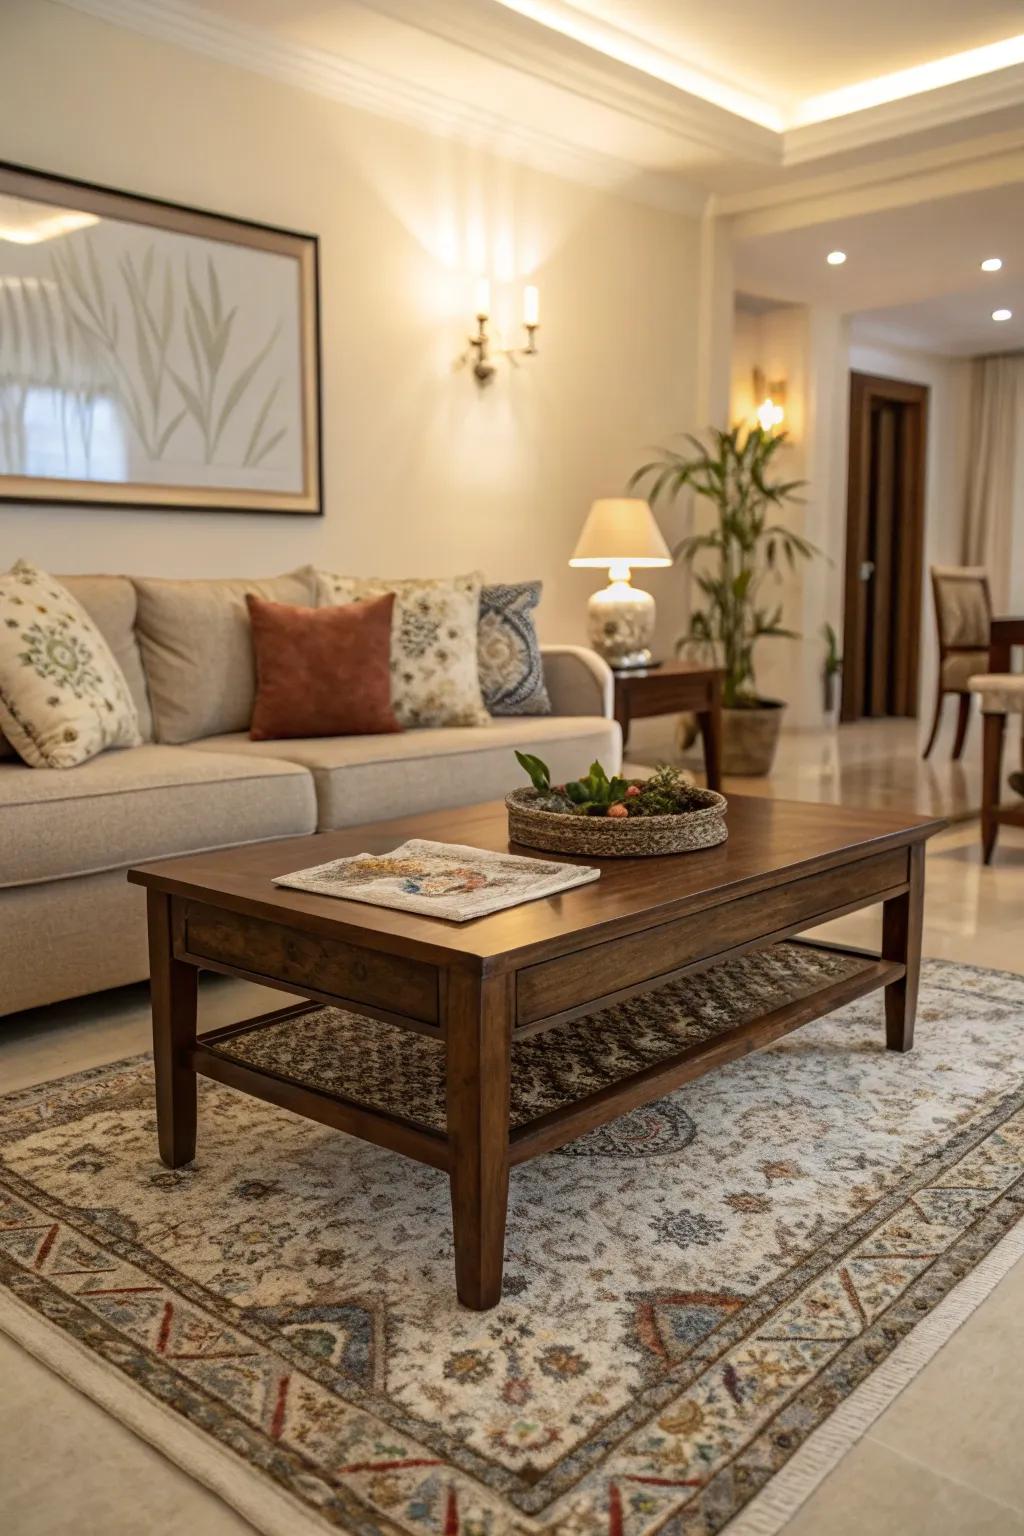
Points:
(865, 390)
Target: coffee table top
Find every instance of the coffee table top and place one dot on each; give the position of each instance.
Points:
(770, 843)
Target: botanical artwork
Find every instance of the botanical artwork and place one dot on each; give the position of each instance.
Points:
(691, 1291)
(439, 879)
(151, 364)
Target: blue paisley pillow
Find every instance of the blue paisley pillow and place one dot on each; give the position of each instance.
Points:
(508, 653)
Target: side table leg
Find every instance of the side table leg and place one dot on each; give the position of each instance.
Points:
(710, 722)
(173, 992)
(479, 1034)
(902, 923)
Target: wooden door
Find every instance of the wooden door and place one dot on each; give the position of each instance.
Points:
(884, 547)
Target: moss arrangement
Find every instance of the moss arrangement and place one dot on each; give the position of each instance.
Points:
(666, 793)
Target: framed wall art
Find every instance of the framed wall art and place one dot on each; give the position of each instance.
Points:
(153, 355)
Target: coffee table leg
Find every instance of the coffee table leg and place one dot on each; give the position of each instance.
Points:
(902, 922)
(478, 1017)
(173, 993)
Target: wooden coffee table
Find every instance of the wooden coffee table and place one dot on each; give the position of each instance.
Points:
(480, 987)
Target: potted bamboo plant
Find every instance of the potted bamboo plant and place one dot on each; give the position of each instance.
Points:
(732, 564)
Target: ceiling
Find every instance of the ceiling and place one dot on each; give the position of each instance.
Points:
(915, 270)
(787, 57)
(681, 97)
(737, 107)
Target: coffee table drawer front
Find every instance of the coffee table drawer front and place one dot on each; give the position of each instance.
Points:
(556, 986)
(327, 966)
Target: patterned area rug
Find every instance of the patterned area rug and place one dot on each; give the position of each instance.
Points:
(691, 1292)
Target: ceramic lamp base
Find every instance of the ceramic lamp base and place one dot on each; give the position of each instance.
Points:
(620, 625)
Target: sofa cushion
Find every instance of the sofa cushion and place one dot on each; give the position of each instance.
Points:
(508, 652)
(435, 675)
(373, 778)
(321, 671)
(125, 807)
(110, 603)
(196, 647)
(63, 697)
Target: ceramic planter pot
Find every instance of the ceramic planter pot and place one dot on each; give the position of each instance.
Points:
(750, 737)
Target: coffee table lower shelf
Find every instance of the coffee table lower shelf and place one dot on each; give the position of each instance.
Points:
(385, 1085)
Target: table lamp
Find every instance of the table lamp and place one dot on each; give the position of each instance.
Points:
(620, 532)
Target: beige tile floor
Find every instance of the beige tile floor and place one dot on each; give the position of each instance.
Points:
(944, 1460)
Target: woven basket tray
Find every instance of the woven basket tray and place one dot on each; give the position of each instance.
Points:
(608, 838)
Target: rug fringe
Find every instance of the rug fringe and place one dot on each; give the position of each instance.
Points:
(256, 1497)
(821, 1453)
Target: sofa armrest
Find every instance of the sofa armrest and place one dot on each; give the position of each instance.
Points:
(579, 681)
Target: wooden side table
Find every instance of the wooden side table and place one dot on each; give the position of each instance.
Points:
(672, 688)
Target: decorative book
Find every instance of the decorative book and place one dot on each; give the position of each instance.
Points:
(440, 879)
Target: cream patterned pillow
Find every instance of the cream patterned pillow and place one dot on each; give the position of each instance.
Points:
(63, 697)
(435, 678)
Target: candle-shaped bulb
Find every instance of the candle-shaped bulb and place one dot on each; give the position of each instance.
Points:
(531, 306)
(483, 298)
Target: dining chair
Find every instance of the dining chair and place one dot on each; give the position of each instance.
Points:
(1001, 694)
(963, 613)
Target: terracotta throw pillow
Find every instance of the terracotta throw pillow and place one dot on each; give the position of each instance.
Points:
(321, 671)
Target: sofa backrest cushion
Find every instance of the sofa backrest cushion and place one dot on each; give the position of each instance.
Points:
(196, 643)
(110, 603)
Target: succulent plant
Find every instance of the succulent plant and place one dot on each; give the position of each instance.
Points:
(668, 792)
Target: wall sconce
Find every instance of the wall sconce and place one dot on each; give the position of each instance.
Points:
(771, 409)
(480, 340)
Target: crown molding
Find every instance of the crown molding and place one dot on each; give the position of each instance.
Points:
(187, 25)
(938, 108)
(505, 37)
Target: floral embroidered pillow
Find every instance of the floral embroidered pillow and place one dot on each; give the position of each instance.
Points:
(63, 697)
(508, 652)
(435, 679)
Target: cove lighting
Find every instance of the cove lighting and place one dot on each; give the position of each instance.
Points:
(992, 264)
(1002, 314)
(909, 82)
(836, 258)
(568, 18)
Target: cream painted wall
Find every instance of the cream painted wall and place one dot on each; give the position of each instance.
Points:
(948, 380)
(423, 472)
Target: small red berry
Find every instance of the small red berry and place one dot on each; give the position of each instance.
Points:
(617, 810)
(632, 791)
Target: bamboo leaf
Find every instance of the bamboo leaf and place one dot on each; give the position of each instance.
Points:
(167, 433)
(192, 401)
(270, 443)
(240, 385)
(260, 422)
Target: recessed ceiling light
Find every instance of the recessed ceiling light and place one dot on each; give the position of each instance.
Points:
(836, 258)
(1002, 314)
(992, 264)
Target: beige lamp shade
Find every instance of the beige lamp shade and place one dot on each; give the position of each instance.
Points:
(620, 531)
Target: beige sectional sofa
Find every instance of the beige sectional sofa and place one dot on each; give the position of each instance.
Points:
(69, 921)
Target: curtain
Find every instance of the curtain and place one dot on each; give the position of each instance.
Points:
(995, 480)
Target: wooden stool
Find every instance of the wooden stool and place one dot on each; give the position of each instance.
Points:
(1002, 694)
